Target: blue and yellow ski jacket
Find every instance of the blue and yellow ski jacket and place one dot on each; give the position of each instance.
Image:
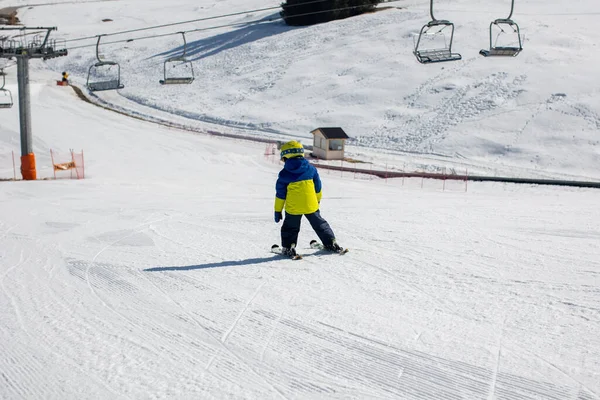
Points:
(298, 187)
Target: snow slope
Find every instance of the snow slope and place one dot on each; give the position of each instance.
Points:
(531, 115)
(152, 277)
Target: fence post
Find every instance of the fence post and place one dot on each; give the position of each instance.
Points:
(403, 172)
(14, 167)
(386, 172)
(73, 161)
(52, 158)
(444, 185)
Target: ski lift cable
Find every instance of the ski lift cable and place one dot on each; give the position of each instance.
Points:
(197, 20)
(255, 22)
(157, 36)
(171, 24)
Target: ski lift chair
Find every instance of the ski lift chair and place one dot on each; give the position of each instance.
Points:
(172, 62)
(440, 53)
(6, 100)
(10, 46)
(100, 69)
(507, 23)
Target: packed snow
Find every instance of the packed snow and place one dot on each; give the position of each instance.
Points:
(152, 277)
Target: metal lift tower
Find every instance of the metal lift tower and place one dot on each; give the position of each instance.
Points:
(23, 48)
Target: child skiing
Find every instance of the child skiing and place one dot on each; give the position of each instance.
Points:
(298, 189)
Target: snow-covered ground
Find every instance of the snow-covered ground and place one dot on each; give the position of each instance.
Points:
(152, 277)
(531, 116)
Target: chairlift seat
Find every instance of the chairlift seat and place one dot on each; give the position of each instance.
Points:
(105, 85)
(105, 63)
(178, 80)
(436, 55)
(501, 51)
(4, 103)
(174, 80)
(6, 99)
(171, 81)
(428, 56)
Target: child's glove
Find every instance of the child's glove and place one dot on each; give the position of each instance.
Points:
(278, 216)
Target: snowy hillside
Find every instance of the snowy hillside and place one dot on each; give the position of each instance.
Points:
(152, 278)
(532, 115)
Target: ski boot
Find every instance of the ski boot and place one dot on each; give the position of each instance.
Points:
(290, 252)
(331, 247)
(334, 247)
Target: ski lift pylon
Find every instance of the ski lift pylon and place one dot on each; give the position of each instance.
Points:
(507, 51)
(169, 80)
(104, 84)
(438, 54)
(6, 100)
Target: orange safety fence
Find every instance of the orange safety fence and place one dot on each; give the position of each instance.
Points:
(271, 152)
(73, 163)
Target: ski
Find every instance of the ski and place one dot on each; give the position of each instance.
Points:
(277, 250)
(319, 246)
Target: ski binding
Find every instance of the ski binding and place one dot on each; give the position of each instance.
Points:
(277, 250)
(319, 246)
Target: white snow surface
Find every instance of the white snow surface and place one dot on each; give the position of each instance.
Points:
(152, 278)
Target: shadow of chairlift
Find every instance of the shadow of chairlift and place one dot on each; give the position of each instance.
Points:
(177, 62)
(6, 99)
(507, 23)
(103, 66)
(428, 55)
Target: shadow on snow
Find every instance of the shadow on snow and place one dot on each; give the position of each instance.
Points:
(251, 32)
(250, 261)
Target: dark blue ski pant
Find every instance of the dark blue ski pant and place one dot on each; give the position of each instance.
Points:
(291, 228)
